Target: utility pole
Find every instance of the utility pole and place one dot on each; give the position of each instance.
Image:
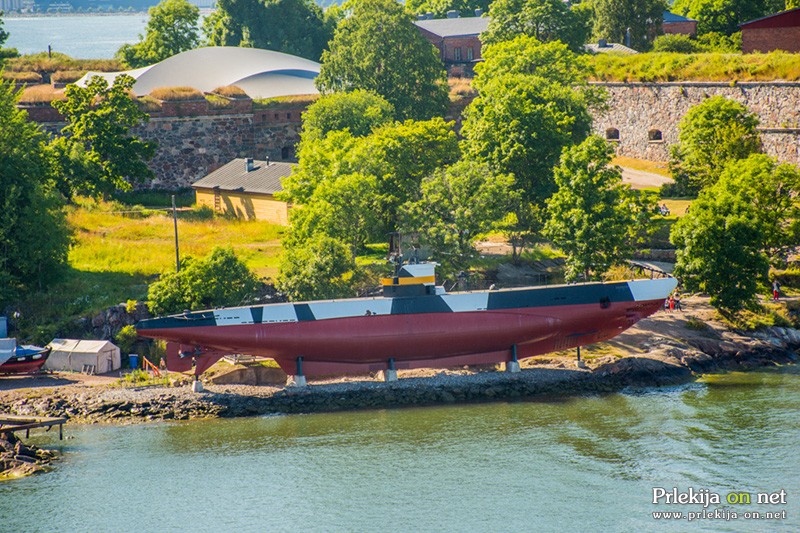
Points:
(175, 224)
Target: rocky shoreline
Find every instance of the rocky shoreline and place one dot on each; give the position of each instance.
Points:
(666, 362)
(19, 460)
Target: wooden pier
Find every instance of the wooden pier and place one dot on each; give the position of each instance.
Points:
(14, 423)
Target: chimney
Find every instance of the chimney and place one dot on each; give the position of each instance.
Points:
(453, 14)
(429, 15)
(248, 164)
(267, 160)
(479, 12)
(602, 43)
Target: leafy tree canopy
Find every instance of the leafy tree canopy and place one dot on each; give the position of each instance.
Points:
(457, 204)
(34, 237)
(735, 228)
(397, 155)
(612, 18)
(319, 268)
(724, 16)
(439, 8)
(708, 42)
(533, 102)
(593, 215)
(546, 20)
(218, 279)
(3, 33)
(379, 49)
(96, 153)
(712, 134)
(295, 27)
(358, 112)
(171, 29)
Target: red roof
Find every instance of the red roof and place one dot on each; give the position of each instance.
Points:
(785, 19)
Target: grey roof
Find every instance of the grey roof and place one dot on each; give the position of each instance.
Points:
(669, 16)
(264, 179)
(455, 27)
(609, 47)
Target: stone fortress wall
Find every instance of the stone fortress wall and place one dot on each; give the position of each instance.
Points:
(642, 120)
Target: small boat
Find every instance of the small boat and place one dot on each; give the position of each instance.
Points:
(25, 359)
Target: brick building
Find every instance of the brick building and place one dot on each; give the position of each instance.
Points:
(673, 23)
(457, 40)
(780, 31)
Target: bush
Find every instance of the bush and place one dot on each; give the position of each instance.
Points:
(67, 76)
(230, 91)
(217, 280)
(126, 338)
(679, 43)
(41, 94)
(23, 77)
(8, 53)
(176, 94)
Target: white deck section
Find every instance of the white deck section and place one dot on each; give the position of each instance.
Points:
(652, 289)
(347, 308)
(465, 302)
(233, 315)
(279, 313)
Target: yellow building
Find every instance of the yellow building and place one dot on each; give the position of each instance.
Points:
(246, 188)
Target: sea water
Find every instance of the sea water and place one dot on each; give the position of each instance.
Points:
(78, 36)
(590, 463)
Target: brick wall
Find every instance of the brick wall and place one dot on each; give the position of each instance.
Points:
(768, 39)
(637, 109)
(686, 28)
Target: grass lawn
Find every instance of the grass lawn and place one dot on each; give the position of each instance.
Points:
(118, 250)
(656, 167)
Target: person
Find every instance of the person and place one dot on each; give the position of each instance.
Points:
(677, 299)
(776, 287)
(666, 304)
(671, 301)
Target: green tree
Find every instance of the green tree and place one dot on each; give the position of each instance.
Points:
(34, 236)
(358, 112)
(712, 134)
(219, 279)
(593, 215)
(378, 48)
(735, 228)
(171, 29)
(316, 269)
(439, 8)
(792, 4)
(397, 155)
(96, 154)
(295, 27)
(724, 16)
(457, 204)
(612, 18)
(344, 208)
(546, 20)
(3, 33)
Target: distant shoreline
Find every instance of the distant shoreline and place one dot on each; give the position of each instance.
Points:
(61, 15)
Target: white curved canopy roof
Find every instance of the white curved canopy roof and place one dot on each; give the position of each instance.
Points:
(260, 73)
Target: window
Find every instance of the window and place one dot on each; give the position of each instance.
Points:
(470, 54)
(612, 134)
(457, 53)
(288, 115)
(654, 136)
(285, 152)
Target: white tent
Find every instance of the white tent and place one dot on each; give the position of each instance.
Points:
(71, 354)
